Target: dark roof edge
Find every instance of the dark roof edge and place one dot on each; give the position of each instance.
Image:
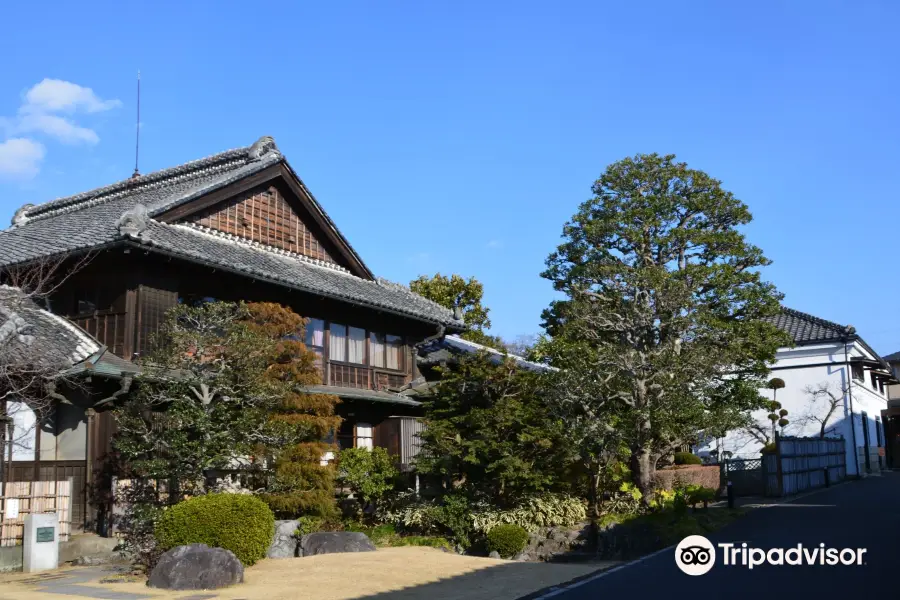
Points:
(151, 247)
(845, 339)
(324, 215)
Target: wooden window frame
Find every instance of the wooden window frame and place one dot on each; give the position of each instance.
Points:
(368, 363)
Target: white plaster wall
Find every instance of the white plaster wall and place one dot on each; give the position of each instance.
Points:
(63, 433)
(805, 368)
(23, 432)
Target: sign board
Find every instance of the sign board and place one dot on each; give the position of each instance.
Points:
(44, 534)
(11, 509)
(881, 452)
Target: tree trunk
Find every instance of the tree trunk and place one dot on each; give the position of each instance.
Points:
(594, 504)
(642, 473)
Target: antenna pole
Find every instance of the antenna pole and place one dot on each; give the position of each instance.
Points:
(137, 137)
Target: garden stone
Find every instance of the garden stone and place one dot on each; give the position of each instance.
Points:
(329, 542)
(494, 554)
(285, 542)
(196, 567)
(523, 557)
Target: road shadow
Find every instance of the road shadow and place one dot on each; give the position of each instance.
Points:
(498, 581)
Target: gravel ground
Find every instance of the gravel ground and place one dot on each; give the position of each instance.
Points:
(395, 573)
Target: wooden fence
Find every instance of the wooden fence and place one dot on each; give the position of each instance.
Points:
(35, 497)
(746, 476)
(799, 464)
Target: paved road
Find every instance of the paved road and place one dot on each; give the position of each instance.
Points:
(860, 514)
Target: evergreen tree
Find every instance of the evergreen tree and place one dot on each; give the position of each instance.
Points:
(488, 434)
(462, 295)
(299, 422)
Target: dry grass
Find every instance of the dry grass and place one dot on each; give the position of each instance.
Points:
(397, 573)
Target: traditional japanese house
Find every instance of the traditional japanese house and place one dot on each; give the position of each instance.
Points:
(239, 225)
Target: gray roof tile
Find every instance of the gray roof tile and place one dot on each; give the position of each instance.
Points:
(807, 329)
(31, 333)
(90, 220)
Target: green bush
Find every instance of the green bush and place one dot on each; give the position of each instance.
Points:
(769, 448)
(369, 474)
(697, 494)
(507, 539)
(686, 458)
(309, 524)
(543, 510)
(236, 522)
(454, 517)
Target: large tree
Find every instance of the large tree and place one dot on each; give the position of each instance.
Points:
(463, 296)
(300, 422)
(202, 400)
(489, 434)
(224, 389)
(665, 299)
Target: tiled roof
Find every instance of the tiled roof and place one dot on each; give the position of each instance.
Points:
(448, 347)
(358, 394)
(125, 211)
(30, 333)
(895, 357)
(807, 329)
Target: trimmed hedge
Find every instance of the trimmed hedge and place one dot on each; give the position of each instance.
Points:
(241, 523)
(507, 539)
(686, 458)
(670, 478)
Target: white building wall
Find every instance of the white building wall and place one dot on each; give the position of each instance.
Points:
(63, 433)
(810, 366)
(23, 431)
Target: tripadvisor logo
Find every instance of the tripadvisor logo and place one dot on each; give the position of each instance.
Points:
(696, 555)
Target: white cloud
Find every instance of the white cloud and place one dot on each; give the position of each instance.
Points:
(40, 112)
(495, 244)
(20, 158)
(43, 103)
(61, 128)
(56, 95)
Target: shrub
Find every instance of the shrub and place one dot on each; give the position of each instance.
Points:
(309, 524)
(769, 448)
(236, 522)
(454, 517)
(368, 474)
(544, 510)
(697, 494)
(670, 478)
(686, 458)
(507, 539)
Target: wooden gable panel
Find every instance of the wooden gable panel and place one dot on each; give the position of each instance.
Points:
(264, 216)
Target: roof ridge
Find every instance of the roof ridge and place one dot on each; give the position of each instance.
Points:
(817, 320)
(140, 182)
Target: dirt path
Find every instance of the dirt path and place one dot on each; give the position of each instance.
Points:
(396, 573)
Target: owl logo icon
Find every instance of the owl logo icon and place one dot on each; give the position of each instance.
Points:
(695, 555)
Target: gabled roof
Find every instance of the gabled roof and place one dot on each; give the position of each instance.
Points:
(136, 210)
(895, 357)
(808, 329)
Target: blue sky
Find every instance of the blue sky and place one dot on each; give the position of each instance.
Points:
(460, 136)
